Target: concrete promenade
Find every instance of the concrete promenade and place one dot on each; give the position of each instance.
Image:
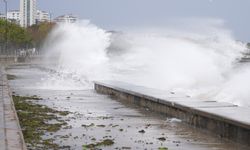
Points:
(11, 137)
(20, 59)
(223, 119)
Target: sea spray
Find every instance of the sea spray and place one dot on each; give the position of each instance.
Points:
(236, 88)
(79, 49)
(200, 63)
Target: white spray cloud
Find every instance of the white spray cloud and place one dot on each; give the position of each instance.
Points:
(199, 60)
(80, 49)
(237, 88)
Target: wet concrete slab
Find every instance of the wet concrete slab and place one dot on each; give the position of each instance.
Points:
(204, 104)
(236, 115)
(143, 91)
(224, 119)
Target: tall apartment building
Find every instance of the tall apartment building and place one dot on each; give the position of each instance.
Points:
(28, 12)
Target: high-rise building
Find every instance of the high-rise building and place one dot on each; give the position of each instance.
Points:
(28, 12)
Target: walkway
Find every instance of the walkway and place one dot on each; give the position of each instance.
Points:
(11, 137)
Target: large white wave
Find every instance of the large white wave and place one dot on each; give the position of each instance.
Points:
(200, 61)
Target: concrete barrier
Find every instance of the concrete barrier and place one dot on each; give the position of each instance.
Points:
(11, 137)
(223, 119)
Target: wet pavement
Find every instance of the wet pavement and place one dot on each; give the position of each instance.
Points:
(95, 118)
(11, 137)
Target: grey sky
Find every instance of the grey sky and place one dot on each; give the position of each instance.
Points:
(114, 14)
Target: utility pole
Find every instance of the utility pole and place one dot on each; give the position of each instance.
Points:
(50, 17)
(6, 27)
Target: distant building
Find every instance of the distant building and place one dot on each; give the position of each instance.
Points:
(2, 16)
(43, 16)
(28, 12)
(66, 19)
(14, 16)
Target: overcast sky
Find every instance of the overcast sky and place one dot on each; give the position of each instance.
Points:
(115, 14)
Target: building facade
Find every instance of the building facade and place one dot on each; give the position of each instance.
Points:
(2, 16)
(28, 12)
(14, 16)
(66, 19)
(43, 16)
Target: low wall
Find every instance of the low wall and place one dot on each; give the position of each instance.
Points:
(18, 59)
(7, 59)
(223, 119)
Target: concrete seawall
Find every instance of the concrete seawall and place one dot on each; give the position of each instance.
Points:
(11, 137)
(223, 119)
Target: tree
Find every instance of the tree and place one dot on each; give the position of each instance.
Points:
(22, 38)
(17, 37)
(39, 33)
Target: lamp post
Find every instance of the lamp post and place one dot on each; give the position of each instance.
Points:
(6, 26)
